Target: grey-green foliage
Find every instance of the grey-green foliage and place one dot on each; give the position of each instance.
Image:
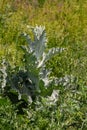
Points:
(34, 77)
(36, 57)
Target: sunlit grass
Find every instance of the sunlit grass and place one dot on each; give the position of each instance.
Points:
(66, 26)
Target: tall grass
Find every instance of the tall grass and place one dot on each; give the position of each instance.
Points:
(66, 26)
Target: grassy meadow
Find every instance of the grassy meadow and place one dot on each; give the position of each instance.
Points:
(66, 26)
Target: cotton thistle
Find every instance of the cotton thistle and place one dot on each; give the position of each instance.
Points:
(36, 58)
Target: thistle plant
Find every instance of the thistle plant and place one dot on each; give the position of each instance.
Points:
(35, 77)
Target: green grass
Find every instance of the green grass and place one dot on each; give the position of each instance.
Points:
(66, 26)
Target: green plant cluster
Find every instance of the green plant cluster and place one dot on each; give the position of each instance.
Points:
(65, 22)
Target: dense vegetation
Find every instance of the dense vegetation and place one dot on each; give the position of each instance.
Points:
(60, 106)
